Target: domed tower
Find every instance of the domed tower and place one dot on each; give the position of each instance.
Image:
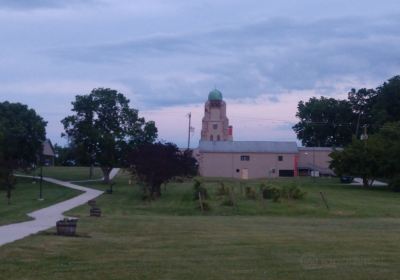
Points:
(215, 125)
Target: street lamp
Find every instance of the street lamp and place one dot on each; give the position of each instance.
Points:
(41, 178)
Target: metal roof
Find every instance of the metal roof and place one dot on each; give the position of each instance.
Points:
(248, 147)
(328, 149)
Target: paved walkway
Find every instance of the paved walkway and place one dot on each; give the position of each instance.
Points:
(46, 218)
(359, 182)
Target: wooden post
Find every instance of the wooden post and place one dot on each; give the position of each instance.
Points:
(201, 202)
(324, 200)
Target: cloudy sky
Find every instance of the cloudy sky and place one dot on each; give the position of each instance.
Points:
(166, 55)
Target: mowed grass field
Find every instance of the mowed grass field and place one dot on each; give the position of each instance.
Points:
(71, 173)
(357, 238)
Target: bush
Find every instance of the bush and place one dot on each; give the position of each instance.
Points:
(229, 199)
(198, 188)
(394, 184)
(287, 192)
(273, 193)
(228, 202)
(292, 192)
(250, 193)
(206, 206)
(222, 189)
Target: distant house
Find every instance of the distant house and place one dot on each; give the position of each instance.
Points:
(48, 154)
(219, 156)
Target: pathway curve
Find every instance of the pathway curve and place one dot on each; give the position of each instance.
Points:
(359, 182)
(46, 218)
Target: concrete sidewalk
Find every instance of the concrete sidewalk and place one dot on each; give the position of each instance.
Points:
(359, 182)
(47, 217)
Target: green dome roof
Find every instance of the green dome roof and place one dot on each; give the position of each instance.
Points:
(215, 95)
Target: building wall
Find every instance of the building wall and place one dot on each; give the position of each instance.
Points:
(230, 165)
(315, 158)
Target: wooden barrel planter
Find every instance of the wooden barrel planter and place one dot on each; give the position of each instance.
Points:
(95, 212)
(66, 227)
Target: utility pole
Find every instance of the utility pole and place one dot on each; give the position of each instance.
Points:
(189, 128)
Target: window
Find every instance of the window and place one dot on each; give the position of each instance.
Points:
(218, 138)
(245, 158)
(215, 126)
(237, 170)
(286, 173)
(280, 158)
(211, 138)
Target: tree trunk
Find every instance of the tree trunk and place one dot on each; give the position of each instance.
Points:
(365, 182)
(106, 174)
(155, 191)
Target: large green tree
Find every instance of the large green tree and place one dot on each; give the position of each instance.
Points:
(361, 159)
(22, 133)
(362, 102)
(386, 105)
(103, 128)
(324, 122)
(375, 157)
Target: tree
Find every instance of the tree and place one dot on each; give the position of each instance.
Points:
(156, 163)
(64, 156)
(387, 103)
(22, 133)
(362, 102)
(389, 135)
(104, 127)
(363, 159)
(324, 122)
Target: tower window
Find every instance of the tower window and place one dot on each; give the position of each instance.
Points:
(215, 126)
(280, 158)
(245, 158)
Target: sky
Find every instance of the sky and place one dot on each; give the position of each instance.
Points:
(166, 55)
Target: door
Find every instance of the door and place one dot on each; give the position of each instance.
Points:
(245, 174)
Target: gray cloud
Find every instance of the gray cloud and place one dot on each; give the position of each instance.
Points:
(39, 4)
(168, 53)
(266, 57)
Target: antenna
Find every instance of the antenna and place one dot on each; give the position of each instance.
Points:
(189, 128)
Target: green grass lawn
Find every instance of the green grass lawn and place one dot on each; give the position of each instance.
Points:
(358, 238)
(24, 199)
(68, 173)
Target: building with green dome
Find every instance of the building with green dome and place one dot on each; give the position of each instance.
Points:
(215, 95)
(219, 156)
(215, 126)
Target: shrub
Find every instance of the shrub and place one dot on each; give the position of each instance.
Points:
(250, 193)
(271, 193)
(206, 206)
(292, 192)
(222, 189)
(198, 188)
(228, 202)
(276, 194)
(229, 199)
